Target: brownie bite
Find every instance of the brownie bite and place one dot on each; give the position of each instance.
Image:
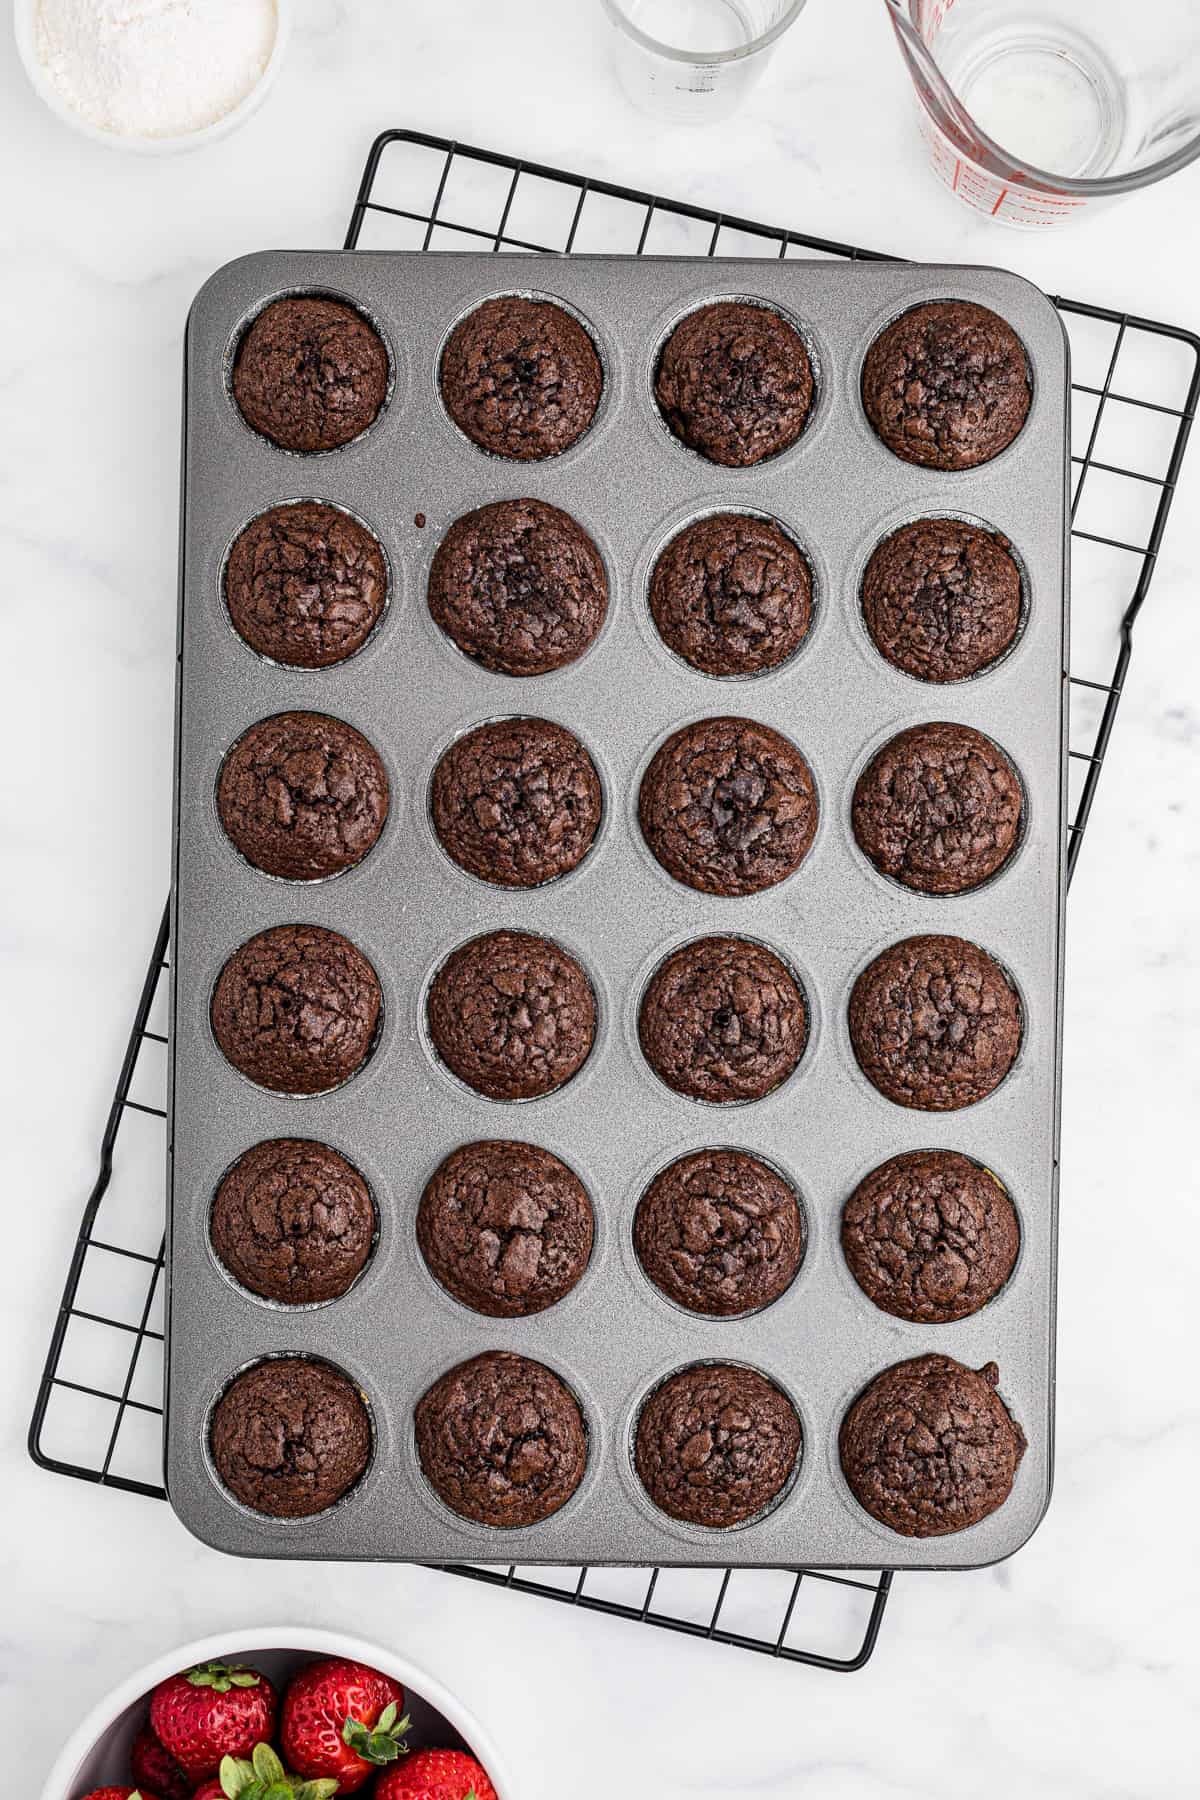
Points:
(296, 1009)
(930, 1236)
(723, 1019)
(732, 595)
(521, 377)
(941, 599)
(517, 802)
(720, 1232)
(728, 806)
(310, 373)
(505, 1227)
(938, 809)
(290, 1436)
(305, 585)
(935, 1023)
(502, 1441)
(302, 795)
(293, 1221)
(511, 1014)
(929, 1447)
(946, 385)
(715, 1444)
(519, 587)
(735, 383)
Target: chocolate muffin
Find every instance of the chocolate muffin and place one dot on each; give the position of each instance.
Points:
(938, 809)
(517, 802)
(720, 1233)
(295, 1009)
(310, 373)
(505, 1227)
(723, 1019)
(290, 1436)
(728, 807)
(293, 1221)
(732, 595)
(512, 1015)
(930, 1236)
(519, 587)
(302, 795)
(521, 378)
(929, 1446)
(734, 382)
(305, 585)
(935, 1023)
(942, 599)
(947, 385)
(715, 1444)
(501, 1440)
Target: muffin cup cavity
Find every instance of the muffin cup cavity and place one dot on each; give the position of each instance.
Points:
(237, 343)
(813, 415)
(352, 1495)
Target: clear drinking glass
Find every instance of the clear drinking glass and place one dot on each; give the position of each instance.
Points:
(1034, 112)
(693, 61)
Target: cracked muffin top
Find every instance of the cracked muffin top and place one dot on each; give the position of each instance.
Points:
(930, 1236)
(719, 1232)
(728, 806)
(521, 377)
(517, 802)
(942, 599)
(732, 595)
(938, 808)
(302, 796)
(511, 1014)
(505, 1227)
(502, 1440)
(519, 587)
(935, 1023)
(295, 1009)
(290, 1436)
(735, 383)
(723, 1019)
(293, 1221)
(310, 373)
(715, 1444)
(305, 585)
(946, 385)
(929, 1447)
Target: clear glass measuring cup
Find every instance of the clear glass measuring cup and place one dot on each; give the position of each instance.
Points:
(694, 61)
(1035, 111)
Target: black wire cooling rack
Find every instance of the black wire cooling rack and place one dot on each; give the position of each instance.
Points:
(1134, 393)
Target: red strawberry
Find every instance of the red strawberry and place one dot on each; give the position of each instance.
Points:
(153, 1768)
(210, 1789)
(210, 1712)
(436, 1775)
(340, 1719)
(119, 1793)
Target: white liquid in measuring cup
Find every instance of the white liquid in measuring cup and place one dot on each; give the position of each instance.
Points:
(707, 26)
(1037, 82)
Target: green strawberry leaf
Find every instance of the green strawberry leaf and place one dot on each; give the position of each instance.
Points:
(322, 1789)
(380, 1745)
(221, 1677)
(243, 1678)
(267, 1766)
(235, 1775)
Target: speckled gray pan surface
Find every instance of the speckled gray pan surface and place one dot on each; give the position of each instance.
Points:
(837, 491)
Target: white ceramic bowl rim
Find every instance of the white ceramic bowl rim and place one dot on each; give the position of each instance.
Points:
(23, 19)
(302, 1638)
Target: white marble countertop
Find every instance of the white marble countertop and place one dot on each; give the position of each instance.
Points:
(1072, 1670)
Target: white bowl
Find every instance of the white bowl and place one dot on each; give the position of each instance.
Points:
(97, 1752)
(24, 13)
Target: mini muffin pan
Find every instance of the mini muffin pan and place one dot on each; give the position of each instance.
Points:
(631, 485)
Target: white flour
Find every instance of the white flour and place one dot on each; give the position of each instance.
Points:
(154, 68)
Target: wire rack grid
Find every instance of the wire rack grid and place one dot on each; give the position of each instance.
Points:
(1135, 386)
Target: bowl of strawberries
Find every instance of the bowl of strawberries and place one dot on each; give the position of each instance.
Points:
(243, 1718)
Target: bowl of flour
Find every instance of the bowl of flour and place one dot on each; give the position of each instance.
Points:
(152, 76)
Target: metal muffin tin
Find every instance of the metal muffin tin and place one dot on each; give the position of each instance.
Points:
(631, 485)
